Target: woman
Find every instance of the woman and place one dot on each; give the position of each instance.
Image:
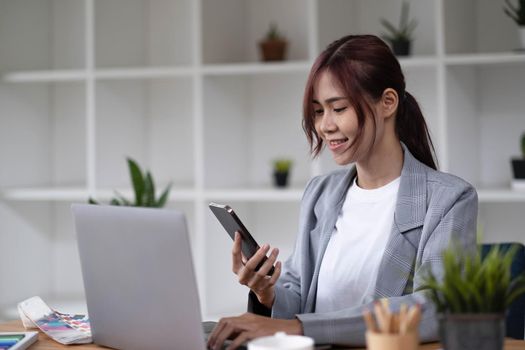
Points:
(366, 233)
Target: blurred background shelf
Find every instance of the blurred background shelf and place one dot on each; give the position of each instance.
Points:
(179, 85)
(485, 59)
(500, 195)
(256, 68)
(44, 76)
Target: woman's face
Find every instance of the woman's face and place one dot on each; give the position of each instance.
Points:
(336, 122)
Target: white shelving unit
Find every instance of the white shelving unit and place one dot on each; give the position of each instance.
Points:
(178, 85)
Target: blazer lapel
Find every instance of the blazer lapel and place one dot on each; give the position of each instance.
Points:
(400, 253)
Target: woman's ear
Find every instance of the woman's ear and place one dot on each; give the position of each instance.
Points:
(389, 102)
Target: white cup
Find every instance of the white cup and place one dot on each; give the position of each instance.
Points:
(283, 342)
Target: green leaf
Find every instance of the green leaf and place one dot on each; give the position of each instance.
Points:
(473, 284)
(137, 180)
(92, 201)
(164, 197)
(149, 191)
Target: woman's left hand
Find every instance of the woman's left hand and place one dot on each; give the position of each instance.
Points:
(249, 326)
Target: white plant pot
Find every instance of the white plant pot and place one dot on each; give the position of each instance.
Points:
(521, 31)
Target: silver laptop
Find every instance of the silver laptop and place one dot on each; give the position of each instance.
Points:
(138, 277)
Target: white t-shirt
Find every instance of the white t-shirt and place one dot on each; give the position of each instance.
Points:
(351, 261)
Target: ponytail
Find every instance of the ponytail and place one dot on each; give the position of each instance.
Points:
(412, 130)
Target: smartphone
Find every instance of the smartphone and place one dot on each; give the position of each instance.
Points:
(231, 223)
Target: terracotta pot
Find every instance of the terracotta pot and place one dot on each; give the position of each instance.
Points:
(273, 50)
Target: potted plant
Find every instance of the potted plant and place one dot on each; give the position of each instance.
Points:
(518, 167)
(281, 170)
(144, 188)
(517, 13)
(273, 46)
(400, 38)
(472, 297)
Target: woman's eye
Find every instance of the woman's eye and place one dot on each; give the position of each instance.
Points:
(339, 110)
(318, 112)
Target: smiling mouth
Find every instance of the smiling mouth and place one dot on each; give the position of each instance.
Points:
(337, 142)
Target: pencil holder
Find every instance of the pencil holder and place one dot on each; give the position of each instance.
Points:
(392, 341)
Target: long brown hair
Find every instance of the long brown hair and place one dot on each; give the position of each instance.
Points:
(364, 66)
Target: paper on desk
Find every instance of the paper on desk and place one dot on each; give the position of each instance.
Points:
(63, 328)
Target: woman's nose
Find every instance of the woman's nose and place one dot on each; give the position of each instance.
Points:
(328, 123)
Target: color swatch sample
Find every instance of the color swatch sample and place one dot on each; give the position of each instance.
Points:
(7, 341)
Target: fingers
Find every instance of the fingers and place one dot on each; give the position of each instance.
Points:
(237, 263)
(265, 268)
(223, 335)
(264, 288)
(241, 339)
(248, 271)
(276, 273)
(221, 331)
(260, 279)
(226, 328)
(257, 257)
(216, 331)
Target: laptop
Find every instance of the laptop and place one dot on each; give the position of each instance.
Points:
(138, 275)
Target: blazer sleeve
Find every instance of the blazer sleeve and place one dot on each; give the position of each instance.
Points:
(347, 326)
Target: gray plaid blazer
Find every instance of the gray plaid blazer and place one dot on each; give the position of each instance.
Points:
(432, 209)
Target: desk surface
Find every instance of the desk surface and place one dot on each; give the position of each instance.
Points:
(46, 343)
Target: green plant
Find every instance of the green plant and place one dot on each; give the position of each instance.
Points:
(471, 284)
(144, 188)
(405, 29)
(516, 12)
(282, 165)
(273, 33)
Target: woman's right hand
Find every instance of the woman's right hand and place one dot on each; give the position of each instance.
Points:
(258, 281)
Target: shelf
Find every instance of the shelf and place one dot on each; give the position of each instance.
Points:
(45, 194)
(486, 58)
(176, 194)
(256, 195)
(504, 195)
(242, 68)
(44, 76)
(257, 68)
(143, 73)
(82, 194)
(418, 61)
